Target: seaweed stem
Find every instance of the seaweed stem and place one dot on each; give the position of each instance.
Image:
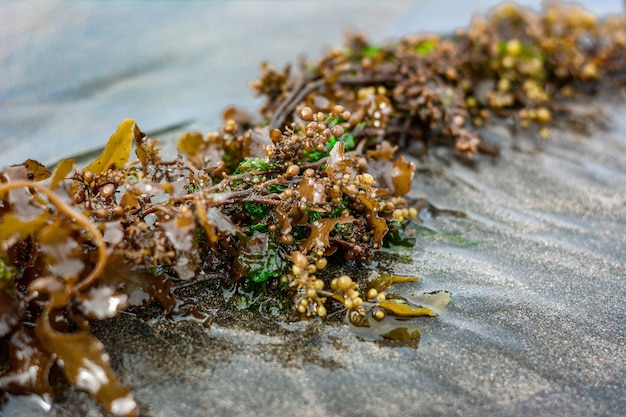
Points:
(80, 218)
(301, 91)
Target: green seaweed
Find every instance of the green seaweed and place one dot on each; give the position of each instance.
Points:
(426, 47)
(316, 155)
(256, 211)
(260, 259)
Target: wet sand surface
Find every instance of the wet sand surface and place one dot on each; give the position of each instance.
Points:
(537, 269)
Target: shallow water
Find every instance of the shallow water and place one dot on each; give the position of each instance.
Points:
(537, 268)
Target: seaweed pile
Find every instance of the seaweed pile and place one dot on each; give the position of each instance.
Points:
(271, 204)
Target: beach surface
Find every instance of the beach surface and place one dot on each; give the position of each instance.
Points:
(531, 244)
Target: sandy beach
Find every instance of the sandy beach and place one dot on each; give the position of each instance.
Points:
(536, 265)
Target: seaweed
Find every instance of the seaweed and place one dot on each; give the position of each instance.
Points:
(266, 208)
(95, 241)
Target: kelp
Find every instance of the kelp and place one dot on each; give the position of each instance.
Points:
(267, 207)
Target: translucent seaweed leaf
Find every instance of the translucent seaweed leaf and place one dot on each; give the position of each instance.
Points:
(113, 233)
(396, 279)
(117, 150)
(63, 254)
(437, 301)
(428, 304)
(14, 227)
(129, 201)
(319, 239)
(214, 222)
(402, 176)
(380, 281)
(405, 310)
(63, 168)
(312, 191)
(384, 151)
(179, 232)
(146, 149)
(30, 365)
(36, 171)
(401, 333)
(102, 303)
(259, 259)
(86, 365)
(190, 143)
(254, 145)
(20, 198)
(378, 224)
(139, 285)
(389, 328)
(336, 159)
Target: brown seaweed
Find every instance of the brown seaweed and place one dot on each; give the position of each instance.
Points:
(319, 180)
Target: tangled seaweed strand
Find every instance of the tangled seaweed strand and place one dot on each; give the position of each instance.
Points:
(271, 205)
(269, 220)
(429, 90)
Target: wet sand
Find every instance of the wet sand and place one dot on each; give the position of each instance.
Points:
(537, 271)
